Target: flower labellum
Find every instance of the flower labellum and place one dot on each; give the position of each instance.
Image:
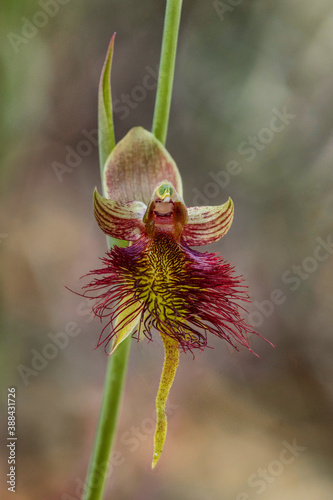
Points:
(159, 283)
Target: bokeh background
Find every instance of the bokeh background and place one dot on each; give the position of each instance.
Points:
(240, 427)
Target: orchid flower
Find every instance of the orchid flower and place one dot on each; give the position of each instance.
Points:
(159, 283)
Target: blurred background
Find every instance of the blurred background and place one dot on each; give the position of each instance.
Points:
(252, 119)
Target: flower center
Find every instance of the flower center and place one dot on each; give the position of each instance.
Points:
(163, 208)
(161, 273)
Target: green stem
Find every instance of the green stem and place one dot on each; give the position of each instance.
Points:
(100, 457)
(167, 69)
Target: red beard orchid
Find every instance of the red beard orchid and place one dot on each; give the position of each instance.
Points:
(159, 283)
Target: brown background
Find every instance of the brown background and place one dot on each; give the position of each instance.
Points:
(231, 414)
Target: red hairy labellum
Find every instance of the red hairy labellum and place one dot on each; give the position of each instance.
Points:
(178, 291)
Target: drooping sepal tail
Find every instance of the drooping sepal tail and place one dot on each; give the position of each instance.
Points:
(171, 360)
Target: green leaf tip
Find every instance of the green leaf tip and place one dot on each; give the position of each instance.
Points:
(106, 139)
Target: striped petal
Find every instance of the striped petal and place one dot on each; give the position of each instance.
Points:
(127, 319)
(119, 220)
(136, 165)
(207, 224)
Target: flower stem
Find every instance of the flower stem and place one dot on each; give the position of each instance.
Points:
(167, 68)
(100, 457)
